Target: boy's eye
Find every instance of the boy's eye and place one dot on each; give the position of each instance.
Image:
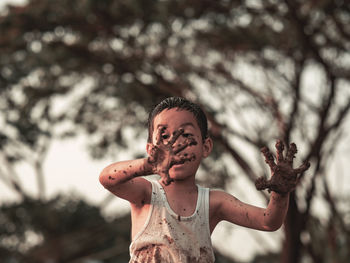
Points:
(165, 136)
(187, 135)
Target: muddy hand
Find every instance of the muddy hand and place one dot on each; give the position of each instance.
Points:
(284, 178)
(165, 155)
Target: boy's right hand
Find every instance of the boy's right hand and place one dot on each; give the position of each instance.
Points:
(164, 155)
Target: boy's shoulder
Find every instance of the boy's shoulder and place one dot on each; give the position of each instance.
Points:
(219, 197)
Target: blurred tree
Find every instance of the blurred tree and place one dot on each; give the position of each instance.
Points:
(261, 69)
(61, 229)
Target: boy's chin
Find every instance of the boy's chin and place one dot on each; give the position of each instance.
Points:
(178, 169)
(179, 173)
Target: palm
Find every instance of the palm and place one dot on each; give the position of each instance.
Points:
(164, 155)
(284, 178)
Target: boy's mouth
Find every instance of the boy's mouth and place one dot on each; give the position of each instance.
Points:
(179, 166)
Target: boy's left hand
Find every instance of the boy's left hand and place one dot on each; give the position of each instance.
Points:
(284, 178)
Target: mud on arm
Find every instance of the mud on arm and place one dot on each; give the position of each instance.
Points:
(284, 180)
(124, 179)
(228, 208)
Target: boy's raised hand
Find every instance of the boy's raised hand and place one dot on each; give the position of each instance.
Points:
(284, 178)
(163, 156)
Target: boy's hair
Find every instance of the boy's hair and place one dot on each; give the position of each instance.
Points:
(182, 104)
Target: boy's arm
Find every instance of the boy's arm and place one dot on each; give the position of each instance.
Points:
(284, 180)
(227, 207)
(124, 180)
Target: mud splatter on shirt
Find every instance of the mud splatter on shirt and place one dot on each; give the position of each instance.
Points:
(166, 239)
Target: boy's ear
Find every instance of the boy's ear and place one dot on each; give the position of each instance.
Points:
(207, 147)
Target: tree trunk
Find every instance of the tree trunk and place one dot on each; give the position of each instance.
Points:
(291, 251)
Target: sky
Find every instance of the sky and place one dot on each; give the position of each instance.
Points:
(3, 3)
(69, 169)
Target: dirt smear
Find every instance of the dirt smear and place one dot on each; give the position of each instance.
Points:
(165, 154)
(284, 178)
(160, 254)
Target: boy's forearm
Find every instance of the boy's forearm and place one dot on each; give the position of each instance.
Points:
(121, 172)
(276, 210)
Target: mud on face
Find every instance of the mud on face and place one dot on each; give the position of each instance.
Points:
(164, 155)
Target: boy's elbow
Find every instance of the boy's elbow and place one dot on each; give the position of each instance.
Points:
(103, 178)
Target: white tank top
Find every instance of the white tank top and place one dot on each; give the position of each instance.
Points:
(168, 238)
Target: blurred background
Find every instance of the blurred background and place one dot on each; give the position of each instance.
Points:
(77, 79)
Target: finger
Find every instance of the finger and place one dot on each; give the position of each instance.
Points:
(268, 158)
(176, 135)
(164, 173)
(166, 179)
(152, 154)
(181, 146)
(279, 151)
(261, 183)
(292, 150)
(302, 168)
(182, 159)
(160, 132)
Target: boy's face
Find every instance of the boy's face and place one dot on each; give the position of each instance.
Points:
(172, 120)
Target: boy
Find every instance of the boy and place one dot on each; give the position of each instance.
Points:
(173, 218)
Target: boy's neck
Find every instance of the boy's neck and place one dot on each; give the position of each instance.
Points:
(187, 185)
